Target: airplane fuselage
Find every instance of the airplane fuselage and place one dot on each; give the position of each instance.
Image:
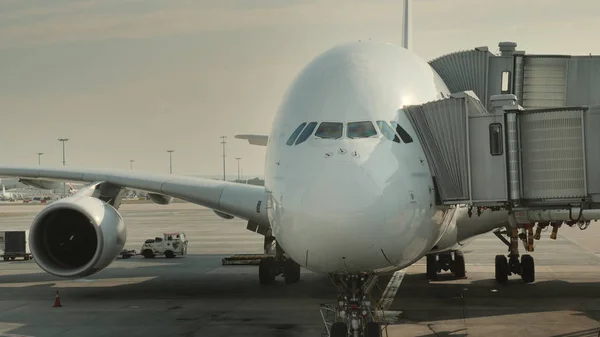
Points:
(341, 204)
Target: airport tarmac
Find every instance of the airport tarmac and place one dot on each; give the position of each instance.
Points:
(197, 296)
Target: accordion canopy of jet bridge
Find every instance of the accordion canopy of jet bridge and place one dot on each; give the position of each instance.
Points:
(538, 81)
(510, 156)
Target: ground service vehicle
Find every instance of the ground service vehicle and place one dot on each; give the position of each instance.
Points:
(171, 245)
(13, 244)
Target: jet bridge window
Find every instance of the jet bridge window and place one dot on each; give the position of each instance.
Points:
(402, 133)
(361, 130)
(387, 131)
(496, 147)
(295, 134)
(330, 130)
(306, 133)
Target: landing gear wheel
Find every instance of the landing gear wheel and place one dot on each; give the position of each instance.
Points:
(339, 329)
(291, 271)
(266, 270)
(458, 265)
(432, 267)
(527, 269)
(501, 269)
(373, 329)
(169, 254)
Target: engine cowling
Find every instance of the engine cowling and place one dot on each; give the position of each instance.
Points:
(76, 236)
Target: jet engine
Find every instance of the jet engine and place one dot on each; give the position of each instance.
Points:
(76, 236)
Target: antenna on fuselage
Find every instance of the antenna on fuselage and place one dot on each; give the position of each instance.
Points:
(406, 25)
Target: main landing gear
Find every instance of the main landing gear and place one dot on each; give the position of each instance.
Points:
(353, 312)
(279, 264)
(510, 264)
(453, 261)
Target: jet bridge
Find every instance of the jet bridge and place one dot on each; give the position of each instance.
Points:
(510, 157)
(520, 133)
(538, 81)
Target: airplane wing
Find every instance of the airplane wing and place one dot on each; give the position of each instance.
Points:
(247, 202)
(260, 140)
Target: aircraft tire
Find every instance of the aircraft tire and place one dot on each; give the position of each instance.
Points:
(459, 269)
(373, 329)
(266, 270)
(291, 271)
(527, 269)
(501, 265)
(432, 267)
(339, 329)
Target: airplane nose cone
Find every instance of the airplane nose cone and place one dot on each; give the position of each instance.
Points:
(336, 225)
(342, 193)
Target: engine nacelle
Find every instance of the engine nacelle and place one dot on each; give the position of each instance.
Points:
(76, 236)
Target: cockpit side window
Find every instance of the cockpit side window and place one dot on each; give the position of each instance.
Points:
(402, 133)
(329, 130)
(295, 134)
(361, 130)
(306, 133)
(387, 131)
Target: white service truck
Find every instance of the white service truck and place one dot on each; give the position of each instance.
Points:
(170, 245)
(14, 244)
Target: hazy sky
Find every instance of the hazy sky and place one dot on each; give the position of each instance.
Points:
(128, 79)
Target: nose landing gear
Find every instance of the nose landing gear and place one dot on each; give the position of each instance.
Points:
(353, 313)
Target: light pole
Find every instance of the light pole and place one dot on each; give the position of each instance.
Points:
(131, 164)
(40, 158)
(224, 142)
(64, 161)
(171, 161)
(238, 161)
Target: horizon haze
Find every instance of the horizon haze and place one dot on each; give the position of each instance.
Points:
(130, 79)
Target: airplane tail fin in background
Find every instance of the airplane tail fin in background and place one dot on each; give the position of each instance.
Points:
(3, 188)
(260, 140)
(407, 25)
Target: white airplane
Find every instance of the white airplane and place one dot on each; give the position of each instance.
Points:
(8, 195)
(347, 192)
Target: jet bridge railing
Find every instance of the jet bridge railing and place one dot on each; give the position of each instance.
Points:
(510, 157)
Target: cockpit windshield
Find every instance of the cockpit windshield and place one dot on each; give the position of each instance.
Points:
(295, 134)
(330, 130)
(306, 133)
(387, 131)
(354, 130)
(361, 130)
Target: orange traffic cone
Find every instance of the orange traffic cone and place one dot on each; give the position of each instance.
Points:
(57, 301)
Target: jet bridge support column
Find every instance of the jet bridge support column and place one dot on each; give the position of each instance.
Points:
(507, 104)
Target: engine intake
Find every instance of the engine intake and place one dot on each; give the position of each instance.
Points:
(77, 236)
